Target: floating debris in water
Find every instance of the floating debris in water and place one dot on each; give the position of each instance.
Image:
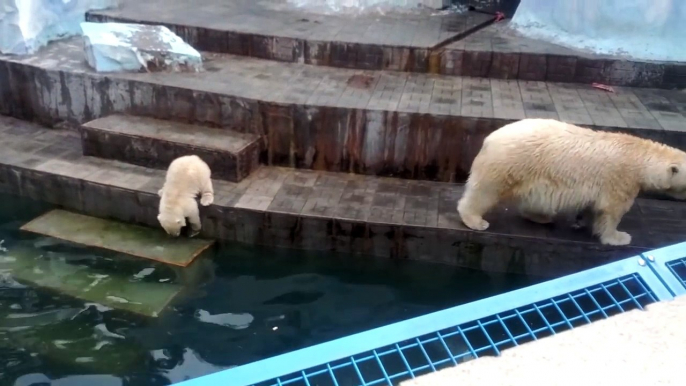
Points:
(84, 360)
(102, 330)
(117, 299)
(97, 306)
(61, 344)
(143, 273)
(235, 321)
(98, 278)
(101, 344)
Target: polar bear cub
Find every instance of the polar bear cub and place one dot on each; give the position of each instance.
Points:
(186, 177)
(549, 167)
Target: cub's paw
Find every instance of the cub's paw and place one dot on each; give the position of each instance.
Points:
(206, 199)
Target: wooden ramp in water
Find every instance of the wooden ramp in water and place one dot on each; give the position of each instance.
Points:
(135, 240)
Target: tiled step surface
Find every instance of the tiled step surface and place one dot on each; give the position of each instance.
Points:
(377, 123)
(415, 42)
(324, 211)
(156, 143)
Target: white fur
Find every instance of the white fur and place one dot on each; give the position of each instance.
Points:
(549, 167)
(187, 177)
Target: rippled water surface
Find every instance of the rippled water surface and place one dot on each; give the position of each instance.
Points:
(234, 305)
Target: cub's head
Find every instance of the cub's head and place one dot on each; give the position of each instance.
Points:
(172, 223)
(677, 181)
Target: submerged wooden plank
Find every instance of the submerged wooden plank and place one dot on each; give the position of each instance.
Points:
(135, 240)
(83, 282)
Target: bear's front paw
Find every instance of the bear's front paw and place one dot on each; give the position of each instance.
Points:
(475, 223)
(616, 238)
(206, 199)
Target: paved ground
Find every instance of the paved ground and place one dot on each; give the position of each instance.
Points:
(638, 347)
(277, 18)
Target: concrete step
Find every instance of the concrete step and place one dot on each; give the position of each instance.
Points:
(369, 40)
(338, 212)
(155, 143)
(413, 126)
(459, 44)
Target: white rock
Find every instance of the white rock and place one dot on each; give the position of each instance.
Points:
(27, 25)
(117, 47)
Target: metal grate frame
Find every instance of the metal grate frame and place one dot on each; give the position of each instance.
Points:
(669, 265)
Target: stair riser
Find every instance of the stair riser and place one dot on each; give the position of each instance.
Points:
(158, 154)
(374, 142)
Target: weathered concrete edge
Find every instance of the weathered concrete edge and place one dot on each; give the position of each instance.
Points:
(372, 142)
(534, 66)
(476, 250)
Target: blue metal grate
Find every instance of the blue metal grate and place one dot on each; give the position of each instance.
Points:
(487, 336)
(678, 268)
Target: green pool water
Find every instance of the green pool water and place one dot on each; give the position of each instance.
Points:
(75, 315)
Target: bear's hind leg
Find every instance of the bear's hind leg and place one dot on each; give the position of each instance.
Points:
(476, 201)
(194, 219)
(605, 224)
(206, 192)
(582, 219)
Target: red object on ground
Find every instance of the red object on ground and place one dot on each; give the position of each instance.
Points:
(602, 87)
(499, 16)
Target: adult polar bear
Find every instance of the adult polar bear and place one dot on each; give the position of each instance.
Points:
(550, 167)
(186, 177)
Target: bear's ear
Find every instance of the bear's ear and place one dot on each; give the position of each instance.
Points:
(674, 169)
